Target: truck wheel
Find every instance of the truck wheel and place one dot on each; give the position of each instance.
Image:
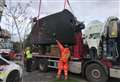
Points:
(13, 77)
(96, 73)
(35, 64)
(43, 65)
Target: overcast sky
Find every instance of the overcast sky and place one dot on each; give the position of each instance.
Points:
(84, 10)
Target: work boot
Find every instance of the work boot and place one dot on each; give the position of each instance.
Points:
(58, 77)
(66, 77)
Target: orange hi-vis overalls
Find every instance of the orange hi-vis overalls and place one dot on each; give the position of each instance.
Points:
(63, 61)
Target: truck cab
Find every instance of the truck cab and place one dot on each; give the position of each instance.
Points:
(104, 45)
(99, 36)
(92, 33)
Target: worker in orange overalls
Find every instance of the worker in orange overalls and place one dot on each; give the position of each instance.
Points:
(63, 61)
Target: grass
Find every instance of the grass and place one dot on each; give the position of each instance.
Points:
(69, 80)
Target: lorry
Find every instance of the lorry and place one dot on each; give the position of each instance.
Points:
(96, 62)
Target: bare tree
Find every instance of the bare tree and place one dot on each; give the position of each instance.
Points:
(17, 18)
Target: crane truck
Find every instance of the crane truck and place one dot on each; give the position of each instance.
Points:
(96, 62)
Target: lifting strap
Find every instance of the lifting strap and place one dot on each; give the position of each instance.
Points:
(40, 2)
(65, 5)
(39, 9)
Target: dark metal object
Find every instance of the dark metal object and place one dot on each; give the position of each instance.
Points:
(60, 26)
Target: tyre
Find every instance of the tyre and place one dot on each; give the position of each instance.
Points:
(13, 77)
(43, 65)
(96, 73)
(35, 64)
